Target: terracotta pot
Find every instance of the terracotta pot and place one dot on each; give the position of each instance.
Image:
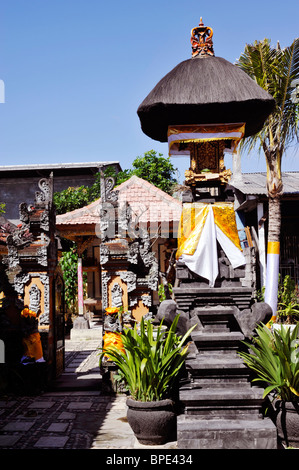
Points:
(287, 422)
(153, 422)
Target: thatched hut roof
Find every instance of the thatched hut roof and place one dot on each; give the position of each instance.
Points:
(204, 90)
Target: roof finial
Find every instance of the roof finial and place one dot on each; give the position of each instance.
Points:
(201, 40)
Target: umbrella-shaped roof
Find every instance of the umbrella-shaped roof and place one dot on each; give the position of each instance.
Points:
(204, 90)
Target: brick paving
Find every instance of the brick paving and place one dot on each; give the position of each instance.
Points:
(69, 418)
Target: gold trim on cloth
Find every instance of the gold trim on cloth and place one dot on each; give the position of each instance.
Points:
(193, 219)
(200, 133)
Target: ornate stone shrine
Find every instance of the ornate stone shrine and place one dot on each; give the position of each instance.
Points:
(36, 288)
(202, 108)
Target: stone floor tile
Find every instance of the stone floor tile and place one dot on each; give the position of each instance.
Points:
(58, 427)
(8, 441)
(66, 415)
(79, 405)
(51, 442)
(18, 426)
(41, 404)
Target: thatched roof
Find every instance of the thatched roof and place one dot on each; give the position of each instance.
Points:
(204, 90)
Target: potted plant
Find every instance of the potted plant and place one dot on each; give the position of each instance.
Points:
(273, 355)
(149, 363)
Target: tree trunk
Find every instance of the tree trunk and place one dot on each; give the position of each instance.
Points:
(273, 251)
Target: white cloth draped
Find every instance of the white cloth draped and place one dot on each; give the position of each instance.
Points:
(204, 261)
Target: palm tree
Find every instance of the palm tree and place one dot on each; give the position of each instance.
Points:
(274, 69)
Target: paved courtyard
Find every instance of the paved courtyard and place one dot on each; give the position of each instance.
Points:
(73, 415)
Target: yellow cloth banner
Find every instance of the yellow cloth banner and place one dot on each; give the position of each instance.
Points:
(193, 219)
(33, 346)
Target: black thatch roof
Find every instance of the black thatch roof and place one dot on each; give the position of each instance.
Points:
(204, 90)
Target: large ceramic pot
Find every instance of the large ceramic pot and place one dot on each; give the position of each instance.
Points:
(153, 422)
(287, 422)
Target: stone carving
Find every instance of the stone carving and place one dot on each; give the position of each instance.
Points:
(105, 279)
(124, 218)
(42, 256)
(133, 301)
(45, 194)
(248, 319)
(23, 213)
(147, 300)
(34, 295)
(133, 253)
(116, 295)
(129, 278)
(167, 311)
(112, 323)
(44, 318)
(20, 281)
(45, 221)
(108, 193)
(104, 253)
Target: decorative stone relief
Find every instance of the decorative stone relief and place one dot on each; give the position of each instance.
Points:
(104, 253)
(129, 278)
(20, 281)
(116, 295)
(34, 295)
(46, 193)
(45, 221)
(147, 300)
(133, 253)
(44, 318)
(105, 279)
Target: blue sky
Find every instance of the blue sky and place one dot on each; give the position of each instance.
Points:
(75, 71)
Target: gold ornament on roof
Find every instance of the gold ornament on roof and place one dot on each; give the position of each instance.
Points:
(201, 40)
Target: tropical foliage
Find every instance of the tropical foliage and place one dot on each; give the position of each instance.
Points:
(274, 357)
(274, 69)
(150, 360)
(151, 166)
(69, 266)
(288, 306)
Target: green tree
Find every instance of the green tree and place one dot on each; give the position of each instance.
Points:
(152, 167)
(2, 207)
(274, 69)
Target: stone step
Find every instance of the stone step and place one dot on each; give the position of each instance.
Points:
(194, 432)
(230, 395)
(218, 401)
(217, 340)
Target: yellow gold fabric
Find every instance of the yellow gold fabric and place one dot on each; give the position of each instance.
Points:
(193, 219)
(225, 219)
(33, 346)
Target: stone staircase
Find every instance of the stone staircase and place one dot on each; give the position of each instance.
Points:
(221, 409)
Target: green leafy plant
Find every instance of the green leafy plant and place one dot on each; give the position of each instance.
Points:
(288, 307)
(151, 359)
(69, 266)
(151, 167)
(161, 291)
(274, 357)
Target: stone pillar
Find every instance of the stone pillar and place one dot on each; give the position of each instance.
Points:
(80, 287)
